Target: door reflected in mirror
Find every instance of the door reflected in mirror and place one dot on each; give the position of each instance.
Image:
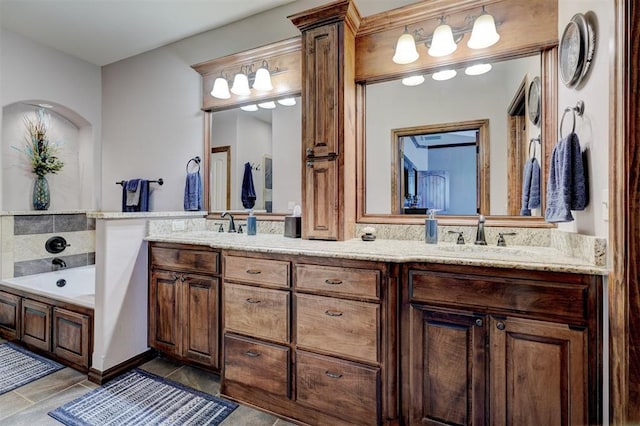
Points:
(268, 143)
(497, 98)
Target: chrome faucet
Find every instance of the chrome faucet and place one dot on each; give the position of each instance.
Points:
(59, 263)
(480, 240)
(232, 224)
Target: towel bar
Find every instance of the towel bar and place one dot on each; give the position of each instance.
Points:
(160, 182)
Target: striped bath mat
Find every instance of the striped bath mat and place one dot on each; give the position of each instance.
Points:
(19, 366)
(141, 398)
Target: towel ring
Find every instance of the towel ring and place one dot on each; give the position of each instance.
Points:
(195, 160)
(577, 110)
(531, 141)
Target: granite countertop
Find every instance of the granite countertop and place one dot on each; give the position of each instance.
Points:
(144, 215)
(515, 257)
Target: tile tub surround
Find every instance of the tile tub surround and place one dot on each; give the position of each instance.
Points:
(23, 238)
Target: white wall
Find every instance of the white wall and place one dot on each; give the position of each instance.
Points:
(32, 72)
(254, 142)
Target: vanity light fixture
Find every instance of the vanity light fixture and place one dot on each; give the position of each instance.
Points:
(477, 69)
(263, 78)
(287, 101)
(444, 75)
(220, 88)
(406, 52)
(442, 43)
(240, 85)
(484, 32)
(413, 80)
(249, 108)
(267, 105)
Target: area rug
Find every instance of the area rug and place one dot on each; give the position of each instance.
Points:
(19, 366)
(141, 398)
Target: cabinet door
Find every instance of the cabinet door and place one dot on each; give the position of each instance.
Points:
(36, 324)
(9, 316)
(71, 336)
(538, 373)
(322, 199)
(200, 311)
(164, 315)
(447, 360)
(321, 91)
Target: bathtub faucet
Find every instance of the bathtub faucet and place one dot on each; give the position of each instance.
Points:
(59, 263)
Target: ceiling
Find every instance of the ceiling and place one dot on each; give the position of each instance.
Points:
(106, 31)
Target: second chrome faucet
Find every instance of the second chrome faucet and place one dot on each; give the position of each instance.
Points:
(480, 239)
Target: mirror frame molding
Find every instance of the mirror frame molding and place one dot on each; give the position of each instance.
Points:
(374, 44)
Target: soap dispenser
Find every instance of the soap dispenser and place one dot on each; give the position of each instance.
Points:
(251, 224)
(431, 228)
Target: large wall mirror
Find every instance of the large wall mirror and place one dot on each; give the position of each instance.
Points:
(453, 146)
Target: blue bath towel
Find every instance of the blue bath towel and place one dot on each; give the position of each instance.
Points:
(142, 204)
(248, 192)
(566, 186)
(193, 192)
(530, 187)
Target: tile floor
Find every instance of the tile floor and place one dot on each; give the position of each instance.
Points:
(29, 404)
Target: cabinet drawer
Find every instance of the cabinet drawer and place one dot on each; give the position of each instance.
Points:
(336, 387)
(259, 271)
(257, 311)
(347, 281)
(337, 326)
(193, 260)
(527, 296)
(260, 365)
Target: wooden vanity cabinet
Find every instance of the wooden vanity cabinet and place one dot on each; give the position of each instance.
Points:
(500, 347)
(184, 303)
(10, 311)
(72, 336)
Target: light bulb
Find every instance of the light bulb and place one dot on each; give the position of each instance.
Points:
(442, 43)
(477, 69)
(263, 80)
(444, 75)
(267, 105)
(405, 49)
(249, 108)
(240, 85)
(220, 88)
(484, 32)
(413, 80)
(287, 101)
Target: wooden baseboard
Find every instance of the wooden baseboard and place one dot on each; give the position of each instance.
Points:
(101, 377)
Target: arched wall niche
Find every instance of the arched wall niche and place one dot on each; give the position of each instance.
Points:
(73, 187)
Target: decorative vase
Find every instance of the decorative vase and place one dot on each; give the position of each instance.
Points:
(41, 196)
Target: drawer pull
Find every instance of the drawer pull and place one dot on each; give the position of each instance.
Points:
(333, 313)
(332, 375)
(254, 271)
(252, 354)
(333, 281)
(253, 301)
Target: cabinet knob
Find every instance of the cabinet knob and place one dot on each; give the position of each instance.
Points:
(309, 163)
(175, 277)
(333, 281)
(333, 375)
(182, 278)
(252, 354)
(333, 313)
(500, 325)
(309, 152)
(253, 301)
(479, 322)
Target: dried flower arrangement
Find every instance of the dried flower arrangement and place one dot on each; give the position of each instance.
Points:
(41, 152)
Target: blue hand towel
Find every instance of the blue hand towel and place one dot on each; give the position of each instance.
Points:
(133, 192)
(530, 187)
(143, 200)
(193, 192)
(566, 186)
(248, 192)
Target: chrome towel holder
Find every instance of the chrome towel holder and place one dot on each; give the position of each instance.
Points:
(196, 160)
(577, 110)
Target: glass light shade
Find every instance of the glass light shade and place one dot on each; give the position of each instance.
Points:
(444, 75)
(240, 85)
(263, 80)
(267, 105)
(442, 43)
(249, 108)
(220, 89)
(405, 50)
(287, 101)
(477, 69)
(484, 32)
(413, 80)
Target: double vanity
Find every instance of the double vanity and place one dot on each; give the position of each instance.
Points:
(383, 332)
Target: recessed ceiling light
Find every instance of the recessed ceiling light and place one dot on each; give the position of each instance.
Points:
(444, 75)
(477, 69)
(287, 101)
(250, 108)
(413, 80)
(267, 105)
